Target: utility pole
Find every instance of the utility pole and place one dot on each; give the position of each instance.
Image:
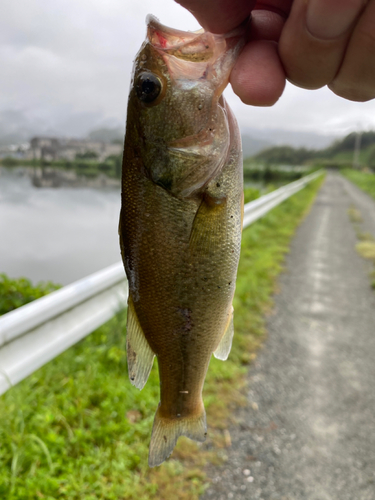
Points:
(357, 148)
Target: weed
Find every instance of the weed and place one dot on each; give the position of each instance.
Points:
(366, 249)
(365, 236)
(354, 215)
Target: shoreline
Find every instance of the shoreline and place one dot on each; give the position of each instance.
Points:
(56, 177)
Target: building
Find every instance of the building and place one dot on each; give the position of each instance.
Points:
(17, 151)
(53, 148)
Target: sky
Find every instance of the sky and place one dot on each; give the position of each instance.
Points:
(66, 65)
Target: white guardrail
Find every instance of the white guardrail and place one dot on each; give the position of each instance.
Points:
(33, 334)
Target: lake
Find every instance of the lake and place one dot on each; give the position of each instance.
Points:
(54, 234)
(57, 234)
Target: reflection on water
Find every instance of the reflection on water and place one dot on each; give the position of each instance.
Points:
(56, 234)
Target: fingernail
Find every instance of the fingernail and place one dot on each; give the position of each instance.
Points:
(331, 18)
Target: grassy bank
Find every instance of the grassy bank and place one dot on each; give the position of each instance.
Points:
(76, 429)
(364, 180)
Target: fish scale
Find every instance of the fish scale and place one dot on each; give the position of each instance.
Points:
(180, 223)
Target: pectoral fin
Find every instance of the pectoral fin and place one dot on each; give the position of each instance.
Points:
(223, 349)
(209, 227)
(140, 354)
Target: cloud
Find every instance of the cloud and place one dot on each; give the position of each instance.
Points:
(318, 111)
(77, 56)
(65, 59)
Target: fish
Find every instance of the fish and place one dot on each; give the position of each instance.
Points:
(180, 220)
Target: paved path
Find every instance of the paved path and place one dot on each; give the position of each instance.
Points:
(309, 430)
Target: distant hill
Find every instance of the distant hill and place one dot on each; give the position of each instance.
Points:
(339, 153)
(14, 128)
(348, 143)
(17, 127)
(282, 137)
(285, 155)
(252, 146)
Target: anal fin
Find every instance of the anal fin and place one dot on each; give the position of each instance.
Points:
(225, 345)
(166, 431)
(139, 353)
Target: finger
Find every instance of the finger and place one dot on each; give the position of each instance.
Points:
(219, 16)
(266, 24)
(314, 39)
(258, 77)
(356, 77)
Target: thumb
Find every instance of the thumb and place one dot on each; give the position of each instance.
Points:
(219, 16)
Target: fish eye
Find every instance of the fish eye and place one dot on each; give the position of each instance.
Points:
(148, 87)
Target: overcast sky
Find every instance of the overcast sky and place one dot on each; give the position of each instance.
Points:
(67, 63)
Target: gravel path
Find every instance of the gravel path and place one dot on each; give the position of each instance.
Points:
(309, 430)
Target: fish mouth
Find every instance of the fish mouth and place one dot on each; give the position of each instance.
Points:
(186, 45)
(191, 43)
(197, 55)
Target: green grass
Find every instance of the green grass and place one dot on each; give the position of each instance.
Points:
(364, 180)
(250, 194)
(372, 277)
(77, 429)
(18, 292)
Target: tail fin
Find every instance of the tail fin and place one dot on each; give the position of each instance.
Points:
(166, 431)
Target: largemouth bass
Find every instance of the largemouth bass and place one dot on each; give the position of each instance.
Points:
(180, 223)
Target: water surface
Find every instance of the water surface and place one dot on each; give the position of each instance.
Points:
(54, 234)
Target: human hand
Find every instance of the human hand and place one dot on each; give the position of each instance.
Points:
(311, 43)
